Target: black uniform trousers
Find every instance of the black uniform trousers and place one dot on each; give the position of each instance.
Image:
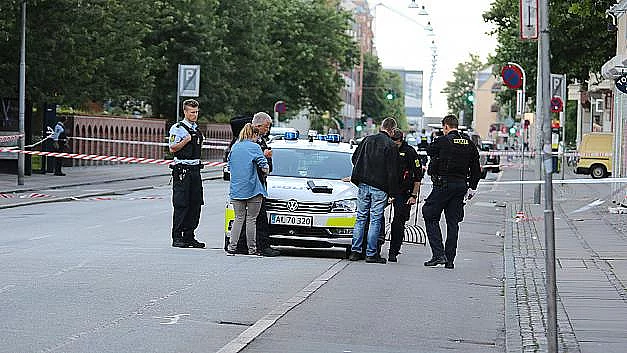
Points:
(263, 231)
(187, 199)
(448, 198)
(401, 216)
(58, 161)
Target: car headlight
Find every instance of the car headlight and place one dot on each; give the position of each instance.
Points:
(349, 205)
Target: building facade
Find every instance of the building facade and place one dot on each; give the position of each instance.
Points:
(352, 92)
(413, 87)
(485, 112)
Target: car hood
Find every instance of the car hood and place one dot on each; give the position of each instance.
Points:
(285, 188)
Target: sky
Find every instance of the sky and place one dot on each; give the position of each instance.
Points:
(459, 31)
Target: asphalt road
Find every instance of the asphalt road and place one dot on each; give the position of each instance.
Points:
(99, 275)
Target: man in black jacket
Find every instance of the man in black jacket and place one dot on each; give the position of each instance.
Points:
(455, 172)
(375, 172)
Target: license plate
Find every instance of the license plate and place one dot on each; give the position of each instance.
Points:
(305, 221)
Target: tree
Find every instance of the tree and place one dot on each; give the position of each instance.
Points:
(377, 85)
(76, 51)
(251, 53)
(460, 90)
(577, 30)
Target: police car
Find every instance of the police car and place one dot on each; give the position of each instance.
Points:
(308, 204)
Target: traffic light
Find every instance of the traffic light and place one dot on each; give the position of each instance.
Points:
(390, 95)
(512, 130)
(470, 97)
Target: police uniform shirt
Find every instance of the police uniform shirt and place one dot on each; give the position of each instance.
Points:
(58, 130)
(411, 167)
(455, 156)
(177, 134)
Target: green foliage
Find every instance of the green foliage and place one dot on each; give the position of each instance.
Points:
(377, 84)
(251, 53)
(580, 43)
(459, 91)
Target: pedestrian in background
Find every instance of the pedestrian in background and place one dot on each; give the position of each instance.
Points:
(187, 194)
(410, 177)
(375, 172)
(455, 172)
(246, 190)
(59, 138)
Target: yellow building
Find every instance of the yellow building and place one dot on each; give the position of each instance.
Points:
(485, 109)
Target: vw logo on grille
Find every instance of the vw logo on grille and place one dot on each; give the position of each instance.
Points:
(292, 205)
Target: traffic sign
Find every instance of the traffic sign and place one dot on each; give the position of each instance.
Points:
(279, 107)
(621, 83)
(556, 105)
(528, 19)
(189, 80)
(512, 76)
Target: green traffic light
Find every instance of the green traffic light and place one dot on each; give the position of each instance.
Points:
(512, 130)
(389, 96)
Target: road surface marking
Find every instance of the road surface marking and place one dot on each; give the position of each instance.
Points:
(240, 342)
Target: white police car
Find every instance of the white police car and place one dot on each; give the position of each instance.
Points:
(308, 204)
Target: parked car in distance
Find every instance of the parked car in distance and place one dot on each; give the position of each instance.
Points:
(489, 162)
(595, 152)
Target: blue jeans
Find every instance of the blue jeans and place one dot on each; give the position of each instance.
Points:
(370, 200)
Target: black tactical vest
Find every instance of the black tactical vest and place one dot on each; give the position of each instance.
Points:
(455, 155)
(192, 149)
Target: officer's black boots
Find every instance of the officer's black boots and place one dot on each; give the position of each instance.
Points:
(436, 261)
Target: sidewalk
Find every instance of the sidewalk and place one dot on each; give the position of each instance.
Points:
(591, 272)
(39, 188)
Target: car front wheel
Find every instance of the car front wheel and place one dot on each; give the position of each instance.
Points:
(598, 171)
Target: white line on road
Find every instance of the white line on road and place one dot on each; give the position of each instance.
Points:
(41, 237)
(240, 342)
(95, 226)
(7, 288)
(131, 219)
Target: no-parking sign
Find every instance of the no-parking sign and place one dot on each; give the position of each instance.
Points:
(512, 76)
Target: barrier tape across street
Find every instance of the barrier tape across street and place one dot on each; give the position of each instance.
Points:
(212, 143)
(95, 157)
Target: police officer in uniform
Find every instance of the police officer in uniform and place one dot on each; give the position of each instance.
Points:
(59, 138)
(187, 194)
(455, 172)
(410, 178)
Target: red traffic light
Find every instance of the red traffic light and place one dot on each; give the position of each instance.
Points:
(555, 124)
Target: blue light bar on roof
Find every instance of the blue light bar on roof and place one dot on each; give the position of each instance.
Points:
(322, 137)
(290, 135)
(333, 138)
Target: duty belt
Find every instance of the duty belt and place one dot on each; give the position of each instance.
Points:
(180, 166)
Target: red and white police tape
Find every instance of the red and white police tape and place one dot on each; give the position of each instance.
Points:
(94, 157)
(207, 144)
(10, 138)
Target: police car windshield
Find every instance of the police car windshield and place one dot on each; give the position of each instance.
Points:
(314, 164)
